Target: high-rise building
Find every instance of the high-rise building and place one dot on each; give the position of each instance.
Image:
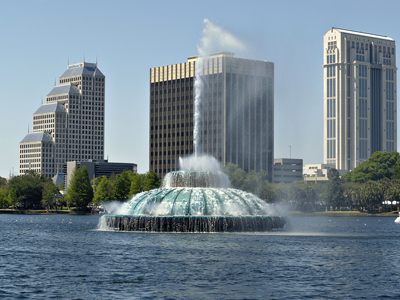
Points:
(237, 112)
(70, 125)
(359, 97)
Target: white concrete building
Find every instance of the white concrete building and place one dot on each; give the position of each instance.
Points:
(70, 126)
(360, 78)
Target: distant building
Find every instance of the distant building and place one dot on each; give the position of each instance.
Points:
(359, 97)
(69, 126)
(96, 169)
(288, 170)
(237, 112)
(318, 172)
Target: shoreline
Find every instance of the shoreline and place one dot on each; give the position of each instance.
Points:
(41, 212)
(357, 214)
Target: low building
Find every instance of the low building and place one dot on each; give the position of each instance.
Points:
(287, 170)
(96, 168)
(318, 172)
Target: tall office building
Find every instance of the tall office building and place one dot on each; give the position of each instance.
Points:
(70, 125)
(237, 112)
(359, 97)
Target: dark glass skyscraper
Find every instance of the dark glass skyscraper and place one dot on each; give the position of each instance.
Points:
(237, 112)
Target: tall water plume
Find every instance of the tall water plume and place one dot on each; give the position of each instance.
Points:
(213, 39)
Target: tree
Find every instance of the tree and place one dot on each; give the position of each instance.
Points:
(334, 193)
(151, 181)
(103, 191)
(236, 175)
(26, 190)
(379, 165)
(3, 200)
(137, 184)
(49, 193)
(121, 186)
(80, 192)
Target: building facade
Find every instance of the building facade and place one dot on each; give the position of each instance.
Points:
(70, 125)
(96, 168)
(360, 107)
(237, 112)
(288, 170)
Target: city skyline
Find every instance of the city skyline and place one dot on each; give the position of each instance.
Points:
(134, 37)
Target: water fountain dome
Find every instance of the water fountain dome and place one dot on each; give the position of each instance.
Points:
(195, 201)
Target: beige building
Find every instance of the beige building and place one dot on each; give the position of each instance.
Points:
(237, 112)
(70, 125)
(360, 78)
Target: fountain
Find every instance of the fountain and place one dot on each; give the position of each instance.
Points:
(195, 201)
(197, 198)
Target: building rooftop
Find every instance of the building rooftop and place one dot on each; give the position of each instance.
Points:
(371, 35)
(36, 137)
(82, 68)
(49, 108)
(63, 89)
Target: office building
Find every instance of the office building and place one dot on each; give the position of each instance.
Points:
(359, 97)
(96, 168)
(288, 170)
(70, 125)
(237, 112)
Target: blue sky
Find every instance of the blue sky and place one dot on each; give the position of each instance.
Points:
(37, 38)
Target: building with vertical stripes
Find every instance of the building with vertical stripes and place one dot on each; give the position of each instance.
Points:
(359, 97)
(70, 125)
(237, 112)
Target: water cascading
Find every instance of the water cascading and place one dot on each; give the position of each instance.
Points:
(193, 201)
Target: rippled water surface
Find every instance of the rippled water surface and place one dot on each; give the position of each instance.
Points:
(66, 257)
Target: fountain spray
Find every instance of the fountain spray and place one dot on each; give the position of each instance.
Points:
(213, 39)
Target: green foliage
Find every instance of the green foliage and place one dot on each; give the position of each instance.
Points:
(151, 181)
(379, 165)
(3, 181)
(103, 190)
(121, 186)
(80, 191)
(236, 175)
(137, 184)
(49, 193)
(334, 191)
(27, 189)
(4, 201)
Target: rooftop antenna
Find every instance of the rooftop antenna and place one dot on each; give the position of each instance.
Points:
(68, 61)
(55, 81)
(28, 127)
(42, 101)
(96, 60)
(84, 57)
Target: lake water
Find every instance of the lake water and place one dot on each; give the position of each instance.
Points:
(66, 257)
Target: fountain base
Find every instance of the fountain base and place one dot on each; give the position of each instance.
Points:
(194, 223)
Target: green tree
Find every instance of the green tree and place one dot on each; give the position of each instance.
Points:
(80, 191)
(151, 181)
(121, 186)
(334, 192)
(137, 184)
(103, 191)
(4, 201)
(379, 165)
(49, 193)
(26, 189)
(236, 175)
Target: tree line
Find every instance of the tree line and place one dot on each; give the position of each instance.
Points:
(35, 191)
(366, 188)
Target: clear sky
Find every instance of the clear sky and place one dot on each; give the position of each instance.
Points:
(38, 38)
